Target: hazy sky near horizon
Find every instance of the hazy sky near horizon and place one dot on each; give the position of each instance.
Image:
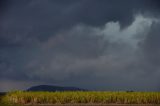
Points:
(91, 44)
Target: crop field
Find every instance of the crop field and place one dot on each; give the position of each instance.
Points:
(82, 97)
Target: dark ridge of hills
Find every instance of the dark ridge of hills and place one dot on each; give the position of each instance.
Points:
(51, 88)
(2, 93)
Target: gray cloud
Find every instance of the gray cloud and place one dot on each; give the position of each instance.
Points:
(102, 45)
(26, 20)
(94, 54)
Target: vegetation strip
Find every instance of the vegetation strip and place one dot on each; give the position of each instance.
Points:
(82, 97)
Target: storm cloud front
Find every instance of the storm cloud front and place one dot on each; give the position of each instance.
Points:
(91, 44)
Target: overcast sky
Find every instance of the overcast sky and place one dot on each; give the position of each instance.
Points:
(91, 44)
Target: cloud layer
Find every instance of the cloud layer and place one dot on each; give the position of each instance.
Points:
(102, 45)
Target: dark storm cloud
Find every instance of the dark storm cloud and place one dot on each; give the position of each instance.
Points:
(151, 47)
(3, 5)
(36, 18)
(93, 44)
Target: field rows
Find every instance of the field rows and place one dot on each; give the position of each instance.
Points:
(77, 97)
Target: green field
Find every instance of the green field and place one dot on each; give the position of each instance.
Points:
(82, 97)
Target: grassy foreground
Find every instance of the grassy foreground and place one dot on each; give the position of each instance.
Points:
(90, 97)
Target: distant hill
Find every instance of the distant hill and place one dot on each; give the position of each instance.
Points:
(53, 88)
(2, 93)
